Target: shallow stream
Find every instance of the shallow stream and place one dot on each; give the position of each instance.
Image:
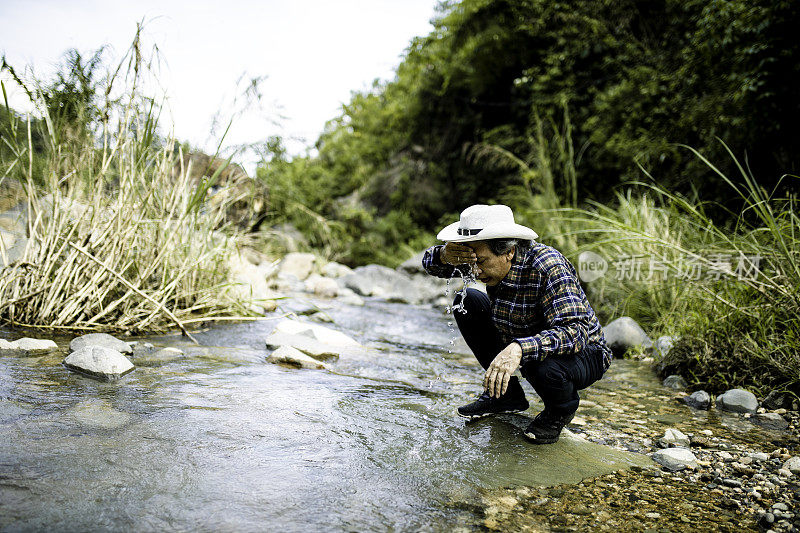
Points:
(223, 441)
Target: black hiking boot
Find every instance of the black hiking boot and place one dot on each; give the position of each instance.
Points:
(513, 401)
(546, 427)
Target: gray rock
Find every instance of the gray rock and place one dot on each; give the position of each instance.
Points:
(297, 306)
(288, 355)
(142, 348)
(792, 465)
(624, 333)
(699, 400)
(25, 346)
(297, 264)
(379, 281)
(675, 459)
(674, 437)
(759, 456)
(160, 357)
(100, 339)
(770, 421)
(99, 362)
(315, 332)
(663, 345)
(307, 345)
(349, 297)
(737, 401)
(336, 270)
(413, 265)
(675, 382)
(777, 400)
(320, 286)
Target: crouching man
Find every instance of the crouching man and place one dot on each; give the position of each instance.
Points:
(536, 318)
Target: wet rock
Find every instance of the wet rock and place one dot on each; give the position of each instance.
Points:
(674, 437)
(777, 400)
(160, 357)
(297, 264)
(297, 306)
(307, 345)
(699, 400)
(737, 401)
(675, 459)
(325, 287)
(288, 355)
(26, 346)
(770, 421)
(624, 333)
(336, 270)
(675, 382)
(792, 465)
(103, 340)
(99, 362)
(315, 332)
(759, 456)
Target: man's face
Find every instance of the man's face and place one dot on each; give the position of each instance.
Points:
(489, 268)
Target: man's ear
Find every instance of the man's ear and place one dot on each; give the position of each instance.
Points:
(511, 253)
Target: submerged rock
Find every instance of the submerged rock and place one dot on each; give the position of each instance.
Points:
(674, 437)
(675, 382)
(103, 340)
(737, 401)
(160, 357)
(99, 362)
(624, 333)
(26, 346)
(98, 414)
(770, 421)
(288, 355)
(675, 459)
(699, 400)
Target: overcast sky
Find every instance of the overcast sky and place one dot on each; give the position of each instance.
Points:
(312, 52)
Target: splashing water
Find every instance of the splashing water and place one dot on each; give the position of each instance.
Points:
(466, 278)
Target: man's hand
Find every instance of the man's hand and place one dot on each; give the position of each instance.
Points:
(499, 372)
(457, 254)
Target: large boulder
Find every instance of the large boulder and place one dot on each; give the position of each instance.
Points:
(624, 333)
(675, 459)
(103, 340)
(98, 362)
(737, 401)
(27, 346)
(663, 345)
(391, 285)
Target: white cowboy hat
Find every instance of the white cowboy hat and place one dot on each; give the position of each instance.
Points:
(482, 222)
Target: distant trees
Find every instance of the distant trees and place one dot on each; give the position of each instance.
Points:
(635, 78)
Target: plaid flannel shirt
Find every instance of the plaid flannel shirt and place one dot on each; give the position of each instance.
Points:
(539, 304)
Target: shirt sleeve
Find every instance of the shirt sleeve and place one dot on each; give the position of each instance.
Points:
(433, 264)
(566, 316)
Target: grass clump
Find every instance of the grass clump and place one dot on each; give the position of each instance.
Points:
(117, 234)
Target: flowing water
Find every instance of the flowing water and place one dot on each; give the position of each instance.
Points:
(221, 440)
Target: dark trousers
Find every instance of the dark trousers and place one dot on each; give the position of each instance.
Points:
(556, 379)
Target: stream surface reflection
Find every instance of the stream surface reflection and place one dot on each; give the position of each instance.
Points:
(222, 440)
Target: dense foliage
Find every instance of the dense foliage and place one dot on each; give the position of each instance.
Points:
(634, 77)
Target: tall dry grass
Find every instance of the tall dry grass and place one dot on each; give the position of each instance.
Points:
(119, 236)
